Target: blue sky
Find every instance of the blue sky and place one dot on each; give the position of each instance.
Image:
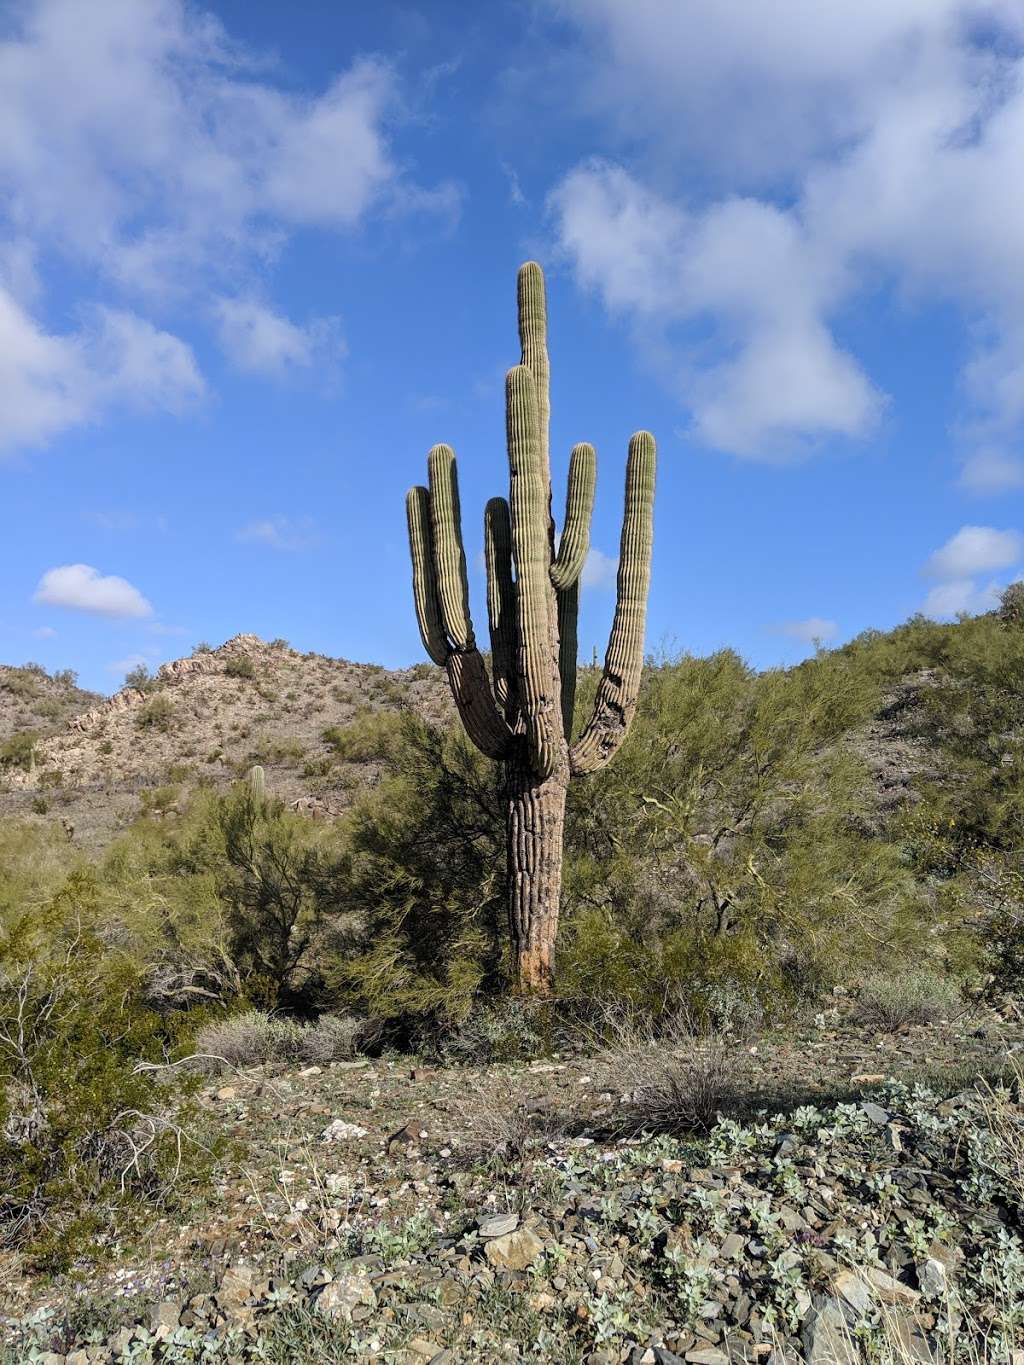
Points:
(255, 260)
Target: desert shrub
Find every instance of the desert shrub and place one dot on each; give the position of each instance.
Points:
(891, 1003)
(84, 1132)
(729, 845)
(510, 1028)
(369, 735)
(423, 877)
(669, 1078)
(249, 1039)
(240, 666)
(159, 800)
(333, 1038)
(21, 682)
(501, 1125)
(140, 677)
(17, 751)
(275, 749)
(157, 714)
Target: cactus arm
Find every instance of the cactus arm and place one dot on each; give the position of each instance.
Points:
(568, 613)
(620, 683)
(467, 677)
(424, 579)
(501, 602)
(441, 591)
(530, 492)
(449, 555)
(579, 504)
(533, 337)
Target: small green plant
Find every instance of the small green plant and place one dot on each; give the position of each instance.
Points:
(19, 750)
(369, 735)
(240, 666)
(157, 714)
(892, 1003)
(140, 677)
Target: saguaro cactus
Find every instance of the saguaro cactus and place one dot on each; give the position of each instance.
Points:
(256, 783)
(522, 715)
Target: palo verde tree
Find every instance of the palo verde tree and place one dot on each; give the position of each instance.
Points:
(522, 715)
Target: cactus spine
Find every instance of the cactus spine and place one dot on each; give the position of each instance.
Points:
(522, 715)
(256, 784)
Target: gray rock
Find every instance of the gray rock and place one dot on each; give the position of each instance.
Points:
(733, 1246)
(826, 1337)
(348, 1298)
(516, 1251)
(164, 1315)
(931, 1276)
(913, 1343)
(853, 1288)
(878, 1116)
(497, 1224)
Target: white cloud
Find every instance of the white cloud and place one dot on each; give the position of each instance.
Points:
(883, 143)
(280, 533)
(975, 549)
(257, 339)
(772, 376)
(83, 588)
(53, 382)
(125, 665)
(44, 633)
(147, 143)
(961, 595)
(811, 630)
(162, 161)
(599, 570)
(992, 471)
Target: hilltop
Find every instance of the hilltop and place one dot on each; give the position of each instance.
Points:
(203, 719)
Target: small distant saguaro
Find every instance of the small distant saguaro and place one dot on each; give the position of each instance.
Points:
(522, 714)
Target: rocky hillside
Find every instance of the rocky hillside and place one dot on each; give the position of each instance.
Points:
(35, 704)
(205, 718)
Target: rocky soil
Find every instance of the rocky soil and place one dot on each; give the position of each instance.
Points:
(383, 1209)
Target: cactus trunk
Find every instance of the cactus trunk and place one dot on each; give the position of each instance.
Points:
(522, 716)
(535, 826)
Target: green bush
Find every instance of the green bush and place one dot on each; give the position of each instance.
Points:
(17, 751)
(892, 1003)
(157, 714)
(85, 1133)
(369, 736)
(240, 666)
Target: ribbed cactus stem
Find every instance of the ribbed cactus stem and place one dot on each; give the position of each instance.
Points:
(424, 579)
(619, 688)
(531, 550)
(256, 783)
(501, 601)
(579, 505)
(532, 305)
(568, 648)
(449, 555)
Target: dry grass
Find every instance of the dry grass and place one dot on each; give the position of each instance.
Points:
(333, 1038)
(892, 1003)
(677, 1080)
(248, 1040)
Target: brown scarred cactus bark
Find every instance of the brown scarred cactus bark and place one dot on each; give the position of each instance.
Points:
(522, 715)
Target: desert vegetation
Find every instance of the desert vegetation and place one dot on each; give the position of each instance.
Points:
(828, 852)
